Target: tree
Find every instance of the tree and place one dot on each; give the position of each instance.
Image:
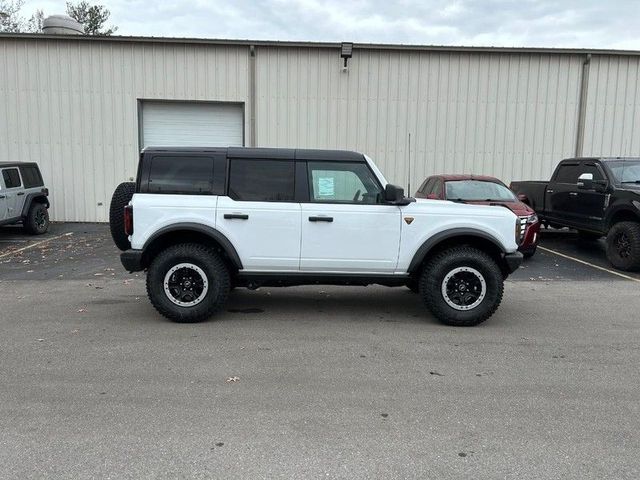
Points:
(10, 19)
(34, 24)
(92, 17)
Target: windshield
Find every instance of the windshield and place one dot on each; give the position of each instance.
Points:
(474, 190)
(625, 171)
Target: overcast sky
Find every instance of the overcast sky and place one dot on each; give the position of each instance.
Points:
(528, 23)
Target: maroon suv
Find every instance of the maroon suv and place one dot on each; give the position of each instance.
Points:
(482, 190)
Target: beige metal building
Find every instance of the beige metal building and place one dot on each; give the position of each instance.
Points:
(83, 107)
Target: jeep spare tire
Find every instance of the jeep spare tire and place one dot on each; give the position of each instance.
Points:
(120, 199)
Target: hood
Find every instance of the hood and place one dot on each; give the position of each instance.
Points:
(519, 208)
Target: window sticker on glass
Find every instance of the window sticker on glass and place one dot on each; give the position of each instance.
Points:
(326, 187)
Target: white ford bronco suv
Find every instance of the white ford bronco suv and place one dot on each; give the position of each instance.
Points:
(201, 221)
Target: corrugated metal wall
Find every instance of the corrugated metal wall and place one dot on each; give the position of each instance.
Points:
(73, 108)
(509, 115)
(612, 122)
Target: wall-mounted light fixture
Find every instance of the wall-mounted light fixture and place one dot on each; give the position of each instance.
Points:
(346, 52)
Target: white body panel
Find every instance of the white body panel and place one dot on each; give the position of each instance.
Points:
(361, 238)
(269, 239)
(155, 212)
(431, 217)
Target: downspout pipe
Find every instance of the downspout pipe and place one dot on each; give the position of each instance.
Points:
(582, 106)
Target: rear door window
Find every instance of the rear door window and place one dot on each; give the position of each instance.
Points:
(259, 180)
(31, 176)
(11, 178)
(568, 173)
(181, 175)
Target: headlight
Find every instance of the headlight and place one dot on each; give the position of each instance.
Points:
(533, 218)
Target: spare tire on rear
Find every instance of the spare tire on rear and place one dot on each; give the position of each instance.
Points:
(120, 199)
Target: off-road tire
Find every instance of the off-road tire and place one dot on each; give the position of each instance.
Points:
(121, 197)
(217, 276)
(37, 221)
(630, 260)
(436, 269)
(589, 236)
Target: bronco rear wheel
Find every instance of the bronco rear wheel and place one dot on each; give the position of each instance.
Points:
(188, 283)
(462, 286)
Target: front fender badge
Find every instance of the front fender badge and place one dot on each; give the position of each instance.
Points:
(408, 220)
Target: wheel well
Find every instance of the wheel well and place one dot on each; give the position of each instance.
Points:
(187, 236)
(31, 200)
(41, 199)
(483, 244)
(623, 216)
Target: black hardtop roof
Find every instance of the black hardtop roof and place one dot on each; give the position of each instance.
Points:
(266, 153)
(17, 164)
(601, 159)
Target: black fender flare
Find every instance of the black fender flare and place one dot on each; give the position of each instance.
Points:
(436, 239)
(624, 208)
(224, 242)
(29, 200)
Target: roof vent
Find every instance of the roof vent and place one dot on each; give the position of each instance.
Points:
(61, 25)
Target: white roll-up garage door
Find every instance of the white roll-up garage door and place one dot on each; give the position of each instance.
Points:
(191, 124)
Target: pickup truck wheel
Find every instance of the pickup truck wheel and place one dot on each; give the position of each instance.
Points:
(121, 197)
(462, 286)
(188, 283)
(623, 246)
(37, 221)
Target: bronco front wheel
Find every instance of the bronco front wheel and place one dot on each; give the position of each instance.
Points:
(462, 286)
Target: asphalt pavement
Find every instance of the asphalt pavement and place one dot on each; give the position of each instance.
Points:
(312, 382)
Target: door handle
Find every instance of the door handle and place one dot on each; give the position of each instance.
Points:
(321, 219)
(20, 194)
(237, 216)
(3, 196)
(573, 194)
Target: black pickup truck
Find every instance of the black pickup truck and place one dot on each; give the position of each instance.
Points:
(597, 197)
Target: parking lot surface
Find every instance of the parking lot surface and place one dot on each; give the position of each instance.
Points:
(311, 382)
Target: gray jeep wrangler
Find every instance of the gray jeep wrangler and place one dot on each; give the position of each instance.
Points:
(23, 197)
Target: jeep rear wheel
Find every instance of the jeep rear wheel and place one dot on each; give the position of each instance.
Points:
(188, 283)
(37, 221)
(462, 286)
(121, 197)
(623, 246)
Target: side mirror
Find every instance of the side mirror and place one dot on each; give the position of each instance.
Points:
(395, 195)
(600, 186)
(585, 181)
